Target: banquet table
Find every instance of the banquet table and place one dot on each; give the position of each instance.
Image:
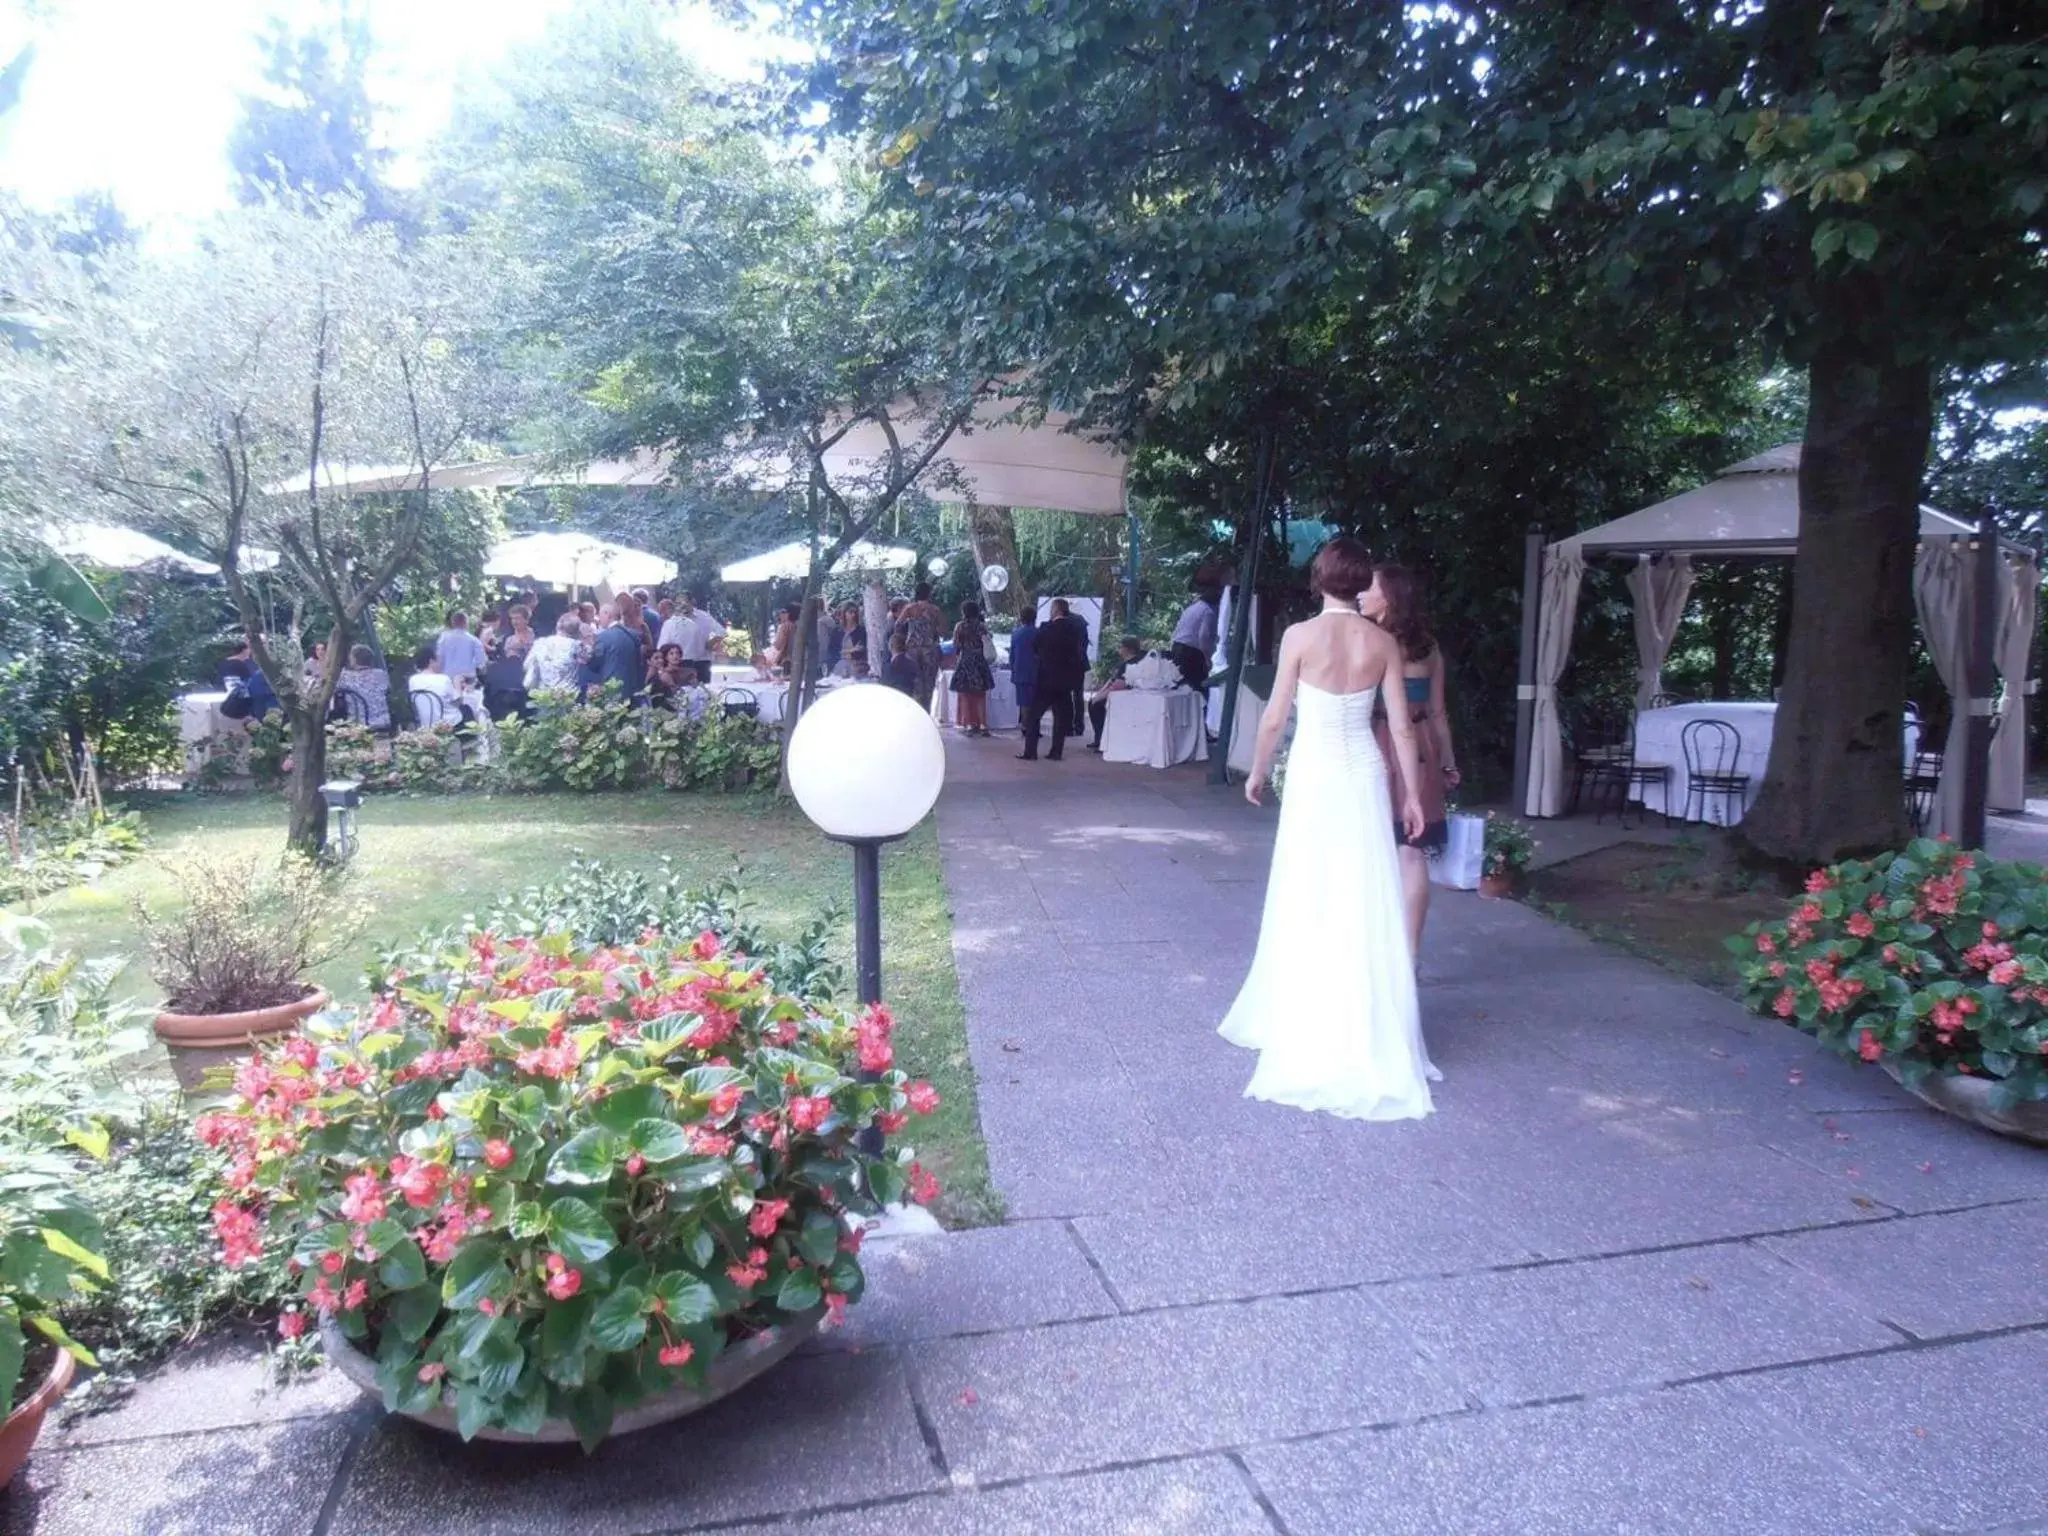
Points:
(1002, 702)
(1157, 729)
(1658, 740)
(773, 696)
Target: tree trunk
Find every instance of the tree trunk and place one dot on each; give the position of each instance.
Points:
(874, 619)
(1832, 789)
(308, 833)
(992, 533)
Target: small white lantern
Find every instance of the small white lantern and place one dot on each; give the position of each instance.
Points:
(866, 763)
(936, 567)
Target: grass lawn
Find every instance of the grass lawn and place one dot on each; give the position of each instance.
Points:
(426, 861)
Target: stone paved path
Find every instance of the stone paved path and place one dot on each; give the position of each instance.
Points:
(1655, 1266)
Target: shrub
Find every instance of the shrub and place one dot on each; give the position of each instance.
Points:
(57, 1088)
(599, 903)
(1934, 960)
(539, 1181)
(243, 936)
(68, 847)
(428, 760)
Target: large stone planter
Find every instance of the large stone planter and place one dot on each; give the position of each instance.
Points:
(199, 1042)
(1970, 1098)
(740, 1364)
(18, 1434)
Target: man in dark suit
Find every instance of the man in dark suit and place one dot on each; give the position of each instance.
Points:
(1077, 696)
(1062, 669)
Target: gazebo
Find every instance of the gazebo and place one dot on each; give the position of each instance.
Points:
(1752, 512)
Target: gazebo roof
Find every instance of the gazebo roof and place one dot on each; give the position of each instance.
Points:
(1752, 509)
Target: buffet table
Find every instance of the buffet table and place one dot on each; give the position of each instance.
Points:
(1658, 740)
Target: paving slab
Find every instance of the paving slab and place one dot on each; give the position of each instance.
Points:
(266, 1481)
(1170, 1383)
(1915, 1159)
(224, 1382)
(1202, 1497)
(1956, 1434)
(1970, 1271)
(984, 1281)
(818, 1431)
(1686, 1462)
(1223, 1252)
(1528, 1335)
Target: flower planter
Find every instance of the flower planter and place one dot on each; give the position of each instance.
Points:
(18, 1434)
(1970, 1098)
(1496, 887)
(740, 1364)
(199, 1042)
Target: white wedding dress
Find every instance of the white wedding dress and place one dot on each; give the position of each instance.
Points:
(1330, 1001)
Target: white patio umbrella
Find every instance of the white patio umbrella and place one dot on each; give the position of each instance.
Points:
(113, 548)
(792, 562)
(567, 559)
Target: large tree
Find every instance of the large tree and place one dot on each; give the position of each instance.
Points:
(1863, 183)
(214, 392)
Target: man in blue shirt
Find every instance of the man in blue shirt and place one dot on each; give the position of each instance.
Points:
(1024, 656)
(461, 653)
(615, 657)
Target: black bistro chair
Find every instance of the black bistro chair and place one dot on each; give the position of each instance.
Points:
(1712, 749)
(1599, 748)
(740, 701)
(1922, 785)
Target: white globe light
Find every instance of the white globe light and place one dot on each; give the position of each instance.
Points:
(935, 567)
(866, 762)
(995, 579)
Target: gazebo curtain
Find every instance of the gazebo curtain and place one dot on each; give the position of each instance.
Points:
(2008, 788)
(1659, 585)
(1564, 568)
(1941, 589)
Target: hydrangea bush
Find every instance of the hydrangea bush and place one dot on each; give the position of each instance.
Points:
(1933, 960)
(536, 1180)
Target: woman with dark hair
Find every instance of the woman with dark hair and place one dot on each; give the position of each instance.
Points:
(1394, 602)
(972, 677)
(923, 624)
(1330, 1001)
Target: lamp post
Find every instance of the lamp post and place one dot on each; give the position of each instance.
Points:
(344, 797)
(866, 765)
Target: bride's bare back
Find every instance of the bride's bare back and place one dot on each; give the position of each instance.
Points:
(1338, 651)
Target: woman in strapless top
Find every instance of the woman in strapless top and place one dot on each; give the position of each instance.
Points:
(1394, 602)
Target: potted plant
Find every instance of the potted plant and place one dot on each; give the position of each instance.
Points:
(1932, 964)
(232, 955)
(1509, 848)
(544, 1191)
(49, 1253)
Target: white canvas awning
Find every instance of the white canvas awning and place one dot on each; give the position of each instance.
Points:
(993, 461)
(1752, 509)
(576, 560)
(792, 562)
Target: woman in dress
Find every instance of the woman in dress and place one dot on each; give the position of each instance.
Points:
(923, 624)
(972, 678)
(1329, 1004)
(1394, 602)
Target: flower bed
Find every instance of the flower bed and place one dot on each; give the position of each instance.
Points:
(1930, 961)
(538, 1182)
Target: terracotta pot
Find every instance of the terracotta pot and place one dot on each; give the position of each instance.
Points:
(215, 1030)
(18, 1434)
(1496, 886)
(740, 1364)
(1970, 1098)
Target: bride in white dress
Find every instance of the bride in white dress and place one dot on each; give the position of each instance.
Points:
(1330, 1001)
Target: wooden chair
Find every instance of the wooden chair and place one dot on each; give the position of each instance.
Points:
(1711, 749)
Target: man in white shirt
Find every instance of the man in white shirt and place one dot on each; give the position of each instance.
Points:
(1194, 639)
(690, 630)
(460, 653)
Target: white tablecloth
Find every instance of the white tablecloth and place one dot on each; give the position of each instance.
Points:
(1157, 729)
(1658, 740)
(199, 717)
(1002, 702)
